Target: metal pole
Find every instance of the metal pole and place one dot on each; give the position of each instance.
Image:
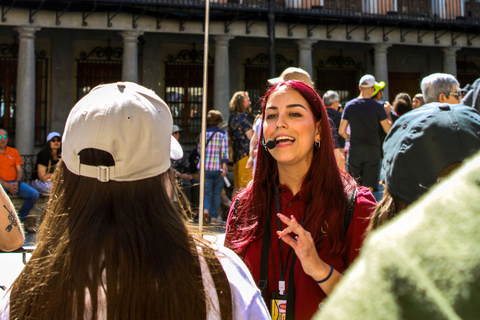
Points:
(271, 37)
(204, 118)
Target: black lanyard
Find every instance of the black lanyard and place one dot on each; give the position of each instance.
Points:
(283, 268)
(266, 249)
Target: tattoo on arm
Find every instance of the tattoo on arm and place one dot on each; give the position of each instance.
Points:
(12, 219)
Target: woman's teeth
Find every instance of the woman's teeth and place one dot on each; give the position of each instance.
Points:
(284, 139)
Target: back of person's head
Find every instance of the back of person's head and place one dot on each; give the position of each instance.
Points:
(423, 142)
(405, 96)
(424, 145)
(401, 106)
(214, 118)
(330, 97)
(437, 83)
(293, 73)
(237, 101)
(113, 244)
(367, 81)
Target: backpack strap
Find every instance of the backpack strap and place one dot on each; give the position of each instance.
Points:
(349, 208)
(210, 139)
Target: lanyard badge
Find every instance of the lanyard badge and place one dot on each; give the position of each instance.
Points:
(278, 306)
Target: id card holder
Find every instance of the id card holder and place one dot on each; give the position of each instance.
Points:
(278, 306)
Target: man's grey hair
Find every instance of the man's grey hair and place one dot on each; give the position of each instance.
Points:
(330, 97)
(437, 83)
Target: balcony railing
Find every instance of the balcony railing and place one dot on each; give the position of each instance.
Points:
(451, 12)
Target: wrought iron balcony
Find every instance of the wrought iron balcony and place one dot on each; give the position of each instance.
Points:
(417, 13)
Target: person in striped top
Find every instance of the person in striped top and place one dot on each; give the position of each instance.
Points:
(216, 158)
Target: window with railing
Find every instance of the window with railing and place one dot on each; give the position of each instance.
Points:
(101, 65)
(8, 92)
(184, 92)
(467, 71)
(257, 71)
(340, 74)
(471, 8)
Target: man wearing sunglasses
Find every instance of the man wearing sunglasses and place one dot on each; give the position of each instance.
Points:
(441, 87)
(11, 174)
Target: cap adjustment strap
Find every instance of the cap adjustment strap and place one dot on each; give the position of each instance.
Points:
(103, 174)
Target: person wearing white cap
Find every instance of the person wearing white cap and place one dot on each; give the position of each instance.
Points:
(112, 244)
(47, 160)
(364, 116)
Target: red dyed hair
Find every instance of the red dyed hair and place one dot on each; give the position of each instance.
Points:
(323, 188)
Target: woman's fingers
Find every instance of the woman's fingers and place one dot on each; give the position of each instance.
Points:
(287, 230)
(293, 226)
(287, 239)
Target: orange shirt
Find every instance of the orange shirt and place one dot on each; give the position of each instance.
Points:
(8, 162)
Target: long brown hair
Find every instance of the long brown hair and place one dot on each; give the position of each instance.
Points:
(390, 206)
(324, 187)
(125, 241)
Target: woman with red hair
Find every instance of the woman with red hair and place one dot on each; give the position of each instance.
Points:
(297, 177)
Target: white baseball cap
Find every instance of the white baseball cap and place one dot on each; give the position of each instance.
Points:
(176, 128)
(126, 120)
(367, 81)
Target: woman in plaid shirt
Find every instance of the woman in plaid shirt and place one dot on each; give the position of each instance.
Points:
(216, 158)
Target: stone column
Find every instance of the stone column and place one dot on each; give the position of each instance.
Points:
(221, 77)
(62, 75)
(130, 55)
(305, 55)
(450, 60)
(381, 66)
(25, 99)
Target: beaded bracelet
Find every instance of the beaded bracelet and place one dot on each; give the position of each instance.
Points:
(328, 277)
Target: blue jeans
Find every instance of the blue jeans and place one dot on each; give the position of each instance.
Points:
(213, 192)
(29, 194)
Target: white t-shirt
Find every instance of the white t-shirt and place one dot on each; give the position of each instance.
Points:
(247, 302)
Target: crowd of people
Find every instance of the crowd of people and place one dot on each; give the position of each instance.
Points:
(304, 234)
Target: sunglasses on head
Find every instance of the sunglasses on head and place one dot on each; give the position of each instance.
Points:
(5, 136)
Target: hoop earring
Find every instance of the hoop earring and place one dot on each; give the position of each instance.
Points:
(317, 144)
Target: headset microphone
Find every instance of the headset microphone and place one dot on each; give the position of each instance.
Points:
(270, 144)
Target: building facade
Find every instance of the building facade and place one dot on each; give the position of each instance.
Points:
(53, 52)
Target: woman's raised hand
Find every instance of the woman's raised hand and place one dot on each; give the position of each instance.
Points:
(303, 245)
